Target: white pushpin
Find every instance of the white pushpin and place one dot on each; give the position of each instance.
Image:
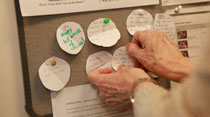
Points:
(177, 9)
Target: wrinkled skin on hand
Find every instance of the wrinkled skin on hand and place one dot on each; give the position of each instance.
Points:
(159, 54)
(156, 52)
(115, 86)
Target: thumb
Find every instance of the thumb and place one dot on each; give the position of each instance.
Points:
(93, 77)
(135, 51)
(98, 76)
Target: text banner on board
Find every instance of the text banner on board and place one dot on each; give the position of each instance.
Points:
(49, 7)
(177, 2)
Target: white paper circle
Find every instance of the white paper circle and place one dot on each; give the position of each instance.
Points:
(101, 34)
(55, 77)
(121, 57)
(70, 37)
(139, 20)
(165, 23)
(98, 60)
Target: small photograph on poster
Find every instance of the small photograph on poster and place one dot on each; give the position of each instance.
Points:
(182, 34)
(183, 44)
(185, 53)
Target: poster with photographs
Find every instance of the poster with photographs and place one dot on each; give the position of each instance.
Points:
(193, 34)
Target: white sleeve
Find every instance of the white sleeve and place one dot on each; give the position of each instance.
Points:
(190, 99)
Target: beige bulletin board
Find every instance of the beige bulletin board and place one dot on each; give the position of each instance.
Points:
(38, 43)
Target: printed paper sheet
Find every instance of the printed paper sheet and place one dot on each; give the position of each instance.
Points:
(47, 7)
(82, 101)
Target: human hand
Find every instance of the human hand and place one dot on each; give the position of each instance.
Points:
(115, 87)
(159, 54)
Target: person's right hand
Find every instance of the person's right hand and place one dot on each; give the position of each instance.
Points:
(116, 86)
(159, 54)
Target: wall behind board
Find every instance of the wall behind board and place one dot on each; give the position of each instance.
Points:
(11, 82)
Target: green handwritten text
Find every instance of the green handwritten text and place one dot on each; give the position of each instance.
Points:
(78, 45)
(69, 35)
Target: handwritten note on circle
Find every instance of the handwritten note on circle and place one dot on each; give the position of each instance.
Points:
(121, 57)
(98, 60)
(139, 20)
(165, 23)
(70, 37)
(103, 33)
(54, 76)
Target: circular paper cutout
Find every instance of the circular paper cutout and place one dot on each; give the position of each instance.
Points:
(121, 57)
(54, 73)
(139, 20)
(103, 32)
(98, 60)
(70, 37)
(165, 23)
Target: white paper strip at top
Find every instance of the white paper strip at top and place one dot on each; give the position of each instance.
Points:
(70, 37)
(98, 60)
(47, 7)
(199, 9)
(103, 34)
(178, 2)
(54, 73)
(166, 24)
(139, 20)
(121, 57)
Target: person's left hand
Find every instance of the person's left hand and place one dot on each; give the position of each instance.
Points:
(115, 86)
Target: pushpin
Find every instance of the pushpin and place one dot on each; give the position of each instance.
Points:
(106, 21)
(177, 9)
(53, 63)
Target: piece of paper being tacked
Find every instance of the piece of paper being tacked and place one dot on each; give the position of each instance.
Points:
(120, 57)
(165, 23)
(98, 61)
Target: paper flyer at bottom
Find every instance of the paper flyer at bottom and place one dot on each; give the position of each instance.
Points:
(82, 101)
